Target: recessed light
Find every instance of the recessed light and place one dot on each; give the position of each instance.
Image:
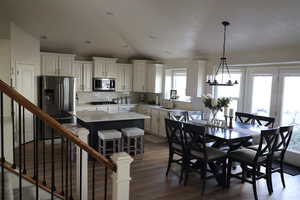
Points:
(88, 42)
(152, 37)
(125, 46)
(167, 52)
(109, 13)
(44, 37)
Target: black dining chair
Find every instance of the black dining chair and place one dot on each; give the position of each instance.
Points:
(285, 135)
(179, 115)
(252, 160)
(244, 118)
(194, 115)
(197, 150)
(176, 144)
(264, 121)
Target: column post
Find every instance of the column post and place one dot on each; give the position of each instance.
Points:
(121, 178)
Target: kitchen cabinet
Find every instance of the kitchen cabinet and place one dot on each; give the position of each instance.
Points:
(163, 114)
(105, 67)
(154, 121)
(83, 72)
(139, 75)
(146, 111)
(154, 78)
(55, 64)
(124, 78)
(196, 75)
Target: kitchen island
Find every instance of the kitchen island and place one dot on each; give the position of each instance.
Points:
(100, 120)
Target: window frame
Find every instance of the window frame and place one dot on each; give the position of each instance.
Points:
(172, 72)
(240, 99)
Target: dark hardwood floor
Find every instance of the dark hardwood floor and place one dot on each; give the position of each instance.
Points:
(149, 181)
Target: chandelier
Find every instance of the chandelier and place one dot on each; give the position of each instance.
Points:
(223, 67)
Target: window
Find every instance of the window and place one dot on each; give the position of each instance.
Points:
(175, 79)
(261, 95)
(230, 91)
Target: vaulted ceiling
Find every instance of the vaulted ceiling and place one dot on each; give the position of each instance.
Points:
(157, 28)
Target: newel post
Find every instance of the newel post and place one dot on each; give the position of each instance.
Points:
(121, 178)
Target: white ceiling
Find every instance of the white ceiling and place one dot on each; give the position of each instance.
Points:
(157, 28)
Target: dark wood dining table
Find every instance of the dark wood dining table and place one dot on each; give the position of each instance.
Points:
(232, 138)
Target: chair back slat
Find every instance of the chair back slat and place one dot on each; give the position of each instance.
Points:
(264, 121)
(180, 116)
(244, 118)
(267, 144)
(195, 139)
(195, 115)
(285, 135)
(174, 133)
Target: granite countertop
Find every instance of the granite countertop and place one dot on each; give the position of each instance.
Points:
(101, 116)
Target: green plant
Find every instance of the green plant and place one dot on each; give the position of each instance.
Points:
(215, 104)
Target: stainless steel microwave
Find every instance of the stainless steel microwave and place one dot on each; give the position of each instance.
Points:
(104, 84)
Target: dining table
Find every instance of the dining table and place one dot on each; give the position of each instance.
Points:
(229, 139)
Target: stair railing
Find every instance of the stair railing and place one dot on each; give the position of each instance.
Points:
(53, 167)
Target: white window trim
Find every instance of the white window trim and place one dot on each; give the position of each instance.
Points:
(164, 83)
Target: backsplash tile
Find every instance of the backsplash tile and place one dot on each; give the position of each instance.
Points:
(86, 97)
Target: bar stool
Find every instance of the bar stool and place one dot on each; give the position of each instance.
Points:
(113, 136)
(136, 136)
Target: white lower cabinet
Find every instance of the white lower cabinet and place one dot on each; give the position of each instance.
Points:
(146, 111)
(163, 114)
(155, 125)
(154, 121)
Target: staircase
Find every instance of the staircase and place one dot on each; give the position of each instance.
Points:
(52, 169)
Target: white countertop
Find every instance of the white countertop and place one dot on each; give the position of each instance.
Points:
(101, 116)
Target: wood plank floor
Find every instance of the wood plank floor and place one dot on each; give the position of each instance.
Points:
(149, 181)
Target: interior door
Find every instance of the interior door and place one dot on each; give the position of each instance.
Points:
(260, 95)
(25, 84)
(289, 110)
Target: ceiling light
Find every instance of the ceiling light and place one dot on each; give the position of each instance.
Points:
(44, 37)
(109, 13)
(223, 67)
(152, 37)
(88, 42)
(125, 46)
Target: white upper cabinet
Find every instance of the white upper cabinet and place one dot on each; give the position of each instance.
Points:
(196, 75)
(87, 76)
(154, 78)
(124, 77)
(78, 72)
(54, 64)
(105, 67)
(83, 72)
(49, 64)
(139, 75)
(66, 65)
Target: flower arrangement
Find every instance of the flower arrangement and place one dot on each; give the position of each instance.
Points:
(216, 104)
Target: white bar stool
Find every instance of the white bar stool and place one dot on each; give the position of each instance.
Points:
(113, 136)
(135, 135)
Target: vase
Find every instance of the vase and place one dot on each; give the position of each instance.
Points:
(213, 115)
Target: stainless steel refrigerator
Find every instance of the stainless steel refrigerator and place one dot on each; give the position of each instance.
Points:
(57, 98)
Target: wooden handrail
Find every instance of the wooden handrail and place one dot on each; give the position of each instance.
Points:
(51, 122)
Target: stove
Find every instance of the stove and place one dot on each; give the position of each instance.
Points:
(102, 102)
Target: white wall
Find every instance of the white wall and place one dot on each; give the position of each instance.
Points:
(5, 69)
(25, 49)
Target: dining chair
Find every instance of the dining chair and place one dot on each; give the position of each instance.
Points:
(264, 121)
(197, 150)
(195, 115)
(251, 160)
(285, 135)
(176, 144)
(179, 115)
(244, 118)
